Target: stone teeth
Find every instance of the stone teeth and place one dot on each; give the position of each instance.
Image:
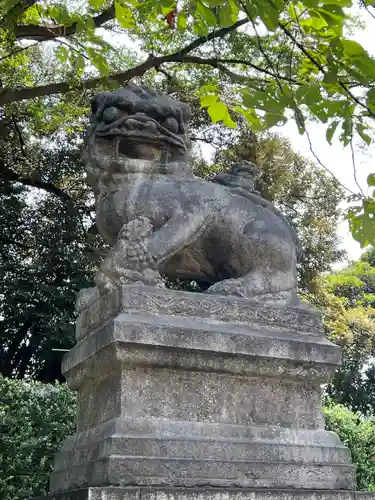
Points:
(131, 124)
(151, 126)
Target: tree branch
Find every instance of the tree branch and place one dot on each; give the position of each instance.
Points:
(218, 62)
(8, 241)
(322, 69)
(213, 35)
(8, 95)
(8, 174)
(40, 32)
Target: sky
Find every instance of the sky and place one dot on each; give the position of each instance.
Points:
(339, 161)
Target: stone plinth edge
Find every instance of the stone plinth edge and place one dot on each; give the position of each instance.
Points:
(153, 300)
(135, 493)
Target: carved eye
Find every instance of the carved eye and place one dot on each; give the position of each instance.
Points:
(172, 124)
(111, 114)
(124, 102)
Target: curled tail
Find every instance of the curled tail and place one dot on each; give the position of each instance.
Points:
(242, 179)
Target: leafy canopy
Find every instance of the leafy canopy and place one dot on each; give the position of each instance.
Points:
(35, 419)
(346, 299)
(358, 434)
(266, 61)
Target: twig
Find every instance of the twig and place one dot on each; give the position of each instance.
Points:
(217, 62)
(324, 166)
(40, 32)
(63, 42)
(21, 49)
(202, 139)
(214, 34)
(322, 69)
(288, 206)
(354, 166)
(368, 10)
(20, 137)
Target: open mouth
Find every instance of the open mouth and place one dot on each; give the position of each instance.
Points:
(139, 128)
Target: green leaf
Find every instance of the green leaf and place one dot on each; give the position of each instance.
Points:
(228, 14)
(272, 119)
(369, 207)
(318, 23)
(62, 54)
(370, 99)
(300, 121)
(362, 226)
(371, 180)
(208, 100)
(80, 64)
(346, 134)
(182, 21)
(361, 131)
(332, 13)
(270, 18)
(251, 118)
(227, 120)
(330, 76)
(206, 13)
(217, 111)
(167, 6)
(96, 4)
(200, 27)
(124, 15)
(341, 3)
(311, 3)
(308, 94)
(352, 48)
(331, 130)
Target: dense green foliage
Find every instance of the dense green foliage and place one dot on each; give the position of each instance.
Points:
(34, 419)
(346, 301)
(44, 254)
(264, 61)
(358, 434)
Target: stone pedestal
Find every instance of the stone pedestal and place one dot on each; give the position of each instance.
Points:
(184, 390)
(129, 493)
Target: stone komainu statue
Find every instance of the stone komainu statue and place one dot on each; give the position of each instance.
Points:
(161, 219)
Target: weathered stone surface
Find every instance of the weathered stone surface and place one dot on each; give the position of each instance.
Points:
(220, 232)
(129, 493)
(138, 298)
(185, 389)
(125, 454)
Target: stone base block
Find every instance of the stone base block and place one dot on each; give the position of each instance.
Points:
(114, 493)
(177, 389)
(160, 452)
